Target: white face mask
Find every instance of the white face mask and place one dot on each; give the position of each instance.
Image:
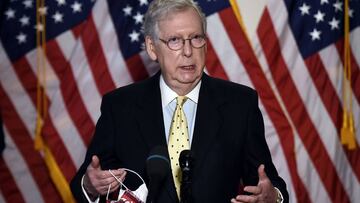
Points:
(126, 195)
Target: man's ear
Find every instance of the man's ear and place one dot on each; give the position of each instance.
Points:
(150, 48)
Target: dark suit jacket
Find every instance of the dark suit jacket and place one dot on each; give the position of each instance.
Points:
(228, 141)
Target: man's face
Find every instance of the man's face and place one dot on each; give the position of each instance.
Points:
(182, 68)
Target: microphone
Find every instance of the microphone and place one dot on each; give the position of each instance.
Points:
(186, 161)
(157, 167)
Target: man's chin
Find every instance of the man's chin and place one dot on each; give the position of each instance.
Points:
(189, 80)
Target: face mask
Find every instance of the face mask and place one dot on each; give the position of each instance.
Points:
(126, 195)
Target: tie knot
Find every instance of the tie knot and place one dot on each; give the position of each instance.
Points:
(180, 100)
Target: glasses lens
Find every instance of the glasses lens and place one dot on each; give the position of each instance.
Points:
(175, 43)
(198, 41)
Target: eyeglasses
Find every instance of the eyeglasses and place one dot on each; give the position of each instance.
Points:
(177, 43)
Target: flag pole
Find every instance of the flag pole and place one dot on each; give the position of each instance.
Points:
(56, 175)
(347, 129)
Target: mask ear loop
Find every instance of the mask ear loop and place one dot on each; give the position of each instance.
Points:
(117, 179)
(107, 194)
(129, 170)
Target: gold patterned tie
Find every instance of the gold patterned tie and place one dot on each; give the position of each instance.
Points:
(178, 140)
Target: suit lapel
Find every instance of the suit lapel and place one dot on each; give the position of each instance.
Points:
(207, 123)
(150, 118)
(149, 114)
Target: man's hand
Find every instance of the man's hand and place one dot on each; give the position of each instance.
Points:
(97, 181)
(263, 192)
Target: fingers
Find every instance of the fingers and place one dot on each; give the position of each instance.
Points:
(105, 174)
(97, 181)
(103, 189)
(262, 192)
(244, 198)
(122, 174)
(254, 197)
(114, 187)
(234, 201)
(95, 162)
(103, 179)
(261, 172)
(255, 190)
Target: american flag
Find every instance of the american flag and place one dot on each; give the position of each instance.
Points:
(93, 49)
(299, 45)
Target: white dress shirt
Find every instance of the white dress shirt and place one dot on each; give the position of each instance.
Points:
(168, 99)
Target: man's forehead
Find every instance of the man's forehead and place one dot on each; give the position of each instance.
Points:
(173, 19)
(171, 14)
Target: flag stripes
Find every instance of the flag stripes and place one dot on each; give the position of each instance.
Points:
(96, 59)
(355, 72)
(287, 71)
(70, 93)
(9, 192)
(213, 65)
(301, 101)
(297, 110)
(258, 79)
(136, 68)
(60, 137)
(110, 45)
(22, 139)
(79, 69)
(13, 177)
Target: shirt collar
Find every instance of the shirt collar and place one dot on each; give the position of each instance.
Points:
(168, 95)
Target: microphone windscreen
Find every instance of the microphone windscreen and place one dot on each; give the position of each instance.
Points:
(157, 167)
(157, 164)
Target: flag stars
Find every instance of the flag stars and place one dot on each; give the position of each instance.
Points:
(304, 9)
(28, 3)
(58, 17)
(24, 20)
(338, 6)
(351, 13)
(61, 2)
(134, 36)
(315, 34)
(334, 23)
(76, 6)
(324, 2)
(319, 16)
(143, 2)
(138, 18)
(10, 13)
(21, 38)
(127, 10)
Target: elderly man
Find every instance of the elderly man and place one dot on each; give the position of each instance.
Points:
(217, 120)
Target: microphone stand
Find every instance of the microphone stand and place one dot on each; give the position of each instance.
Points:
(186, 164)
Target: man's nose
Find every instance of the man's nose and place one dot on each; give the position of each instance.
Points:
(187, 49)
